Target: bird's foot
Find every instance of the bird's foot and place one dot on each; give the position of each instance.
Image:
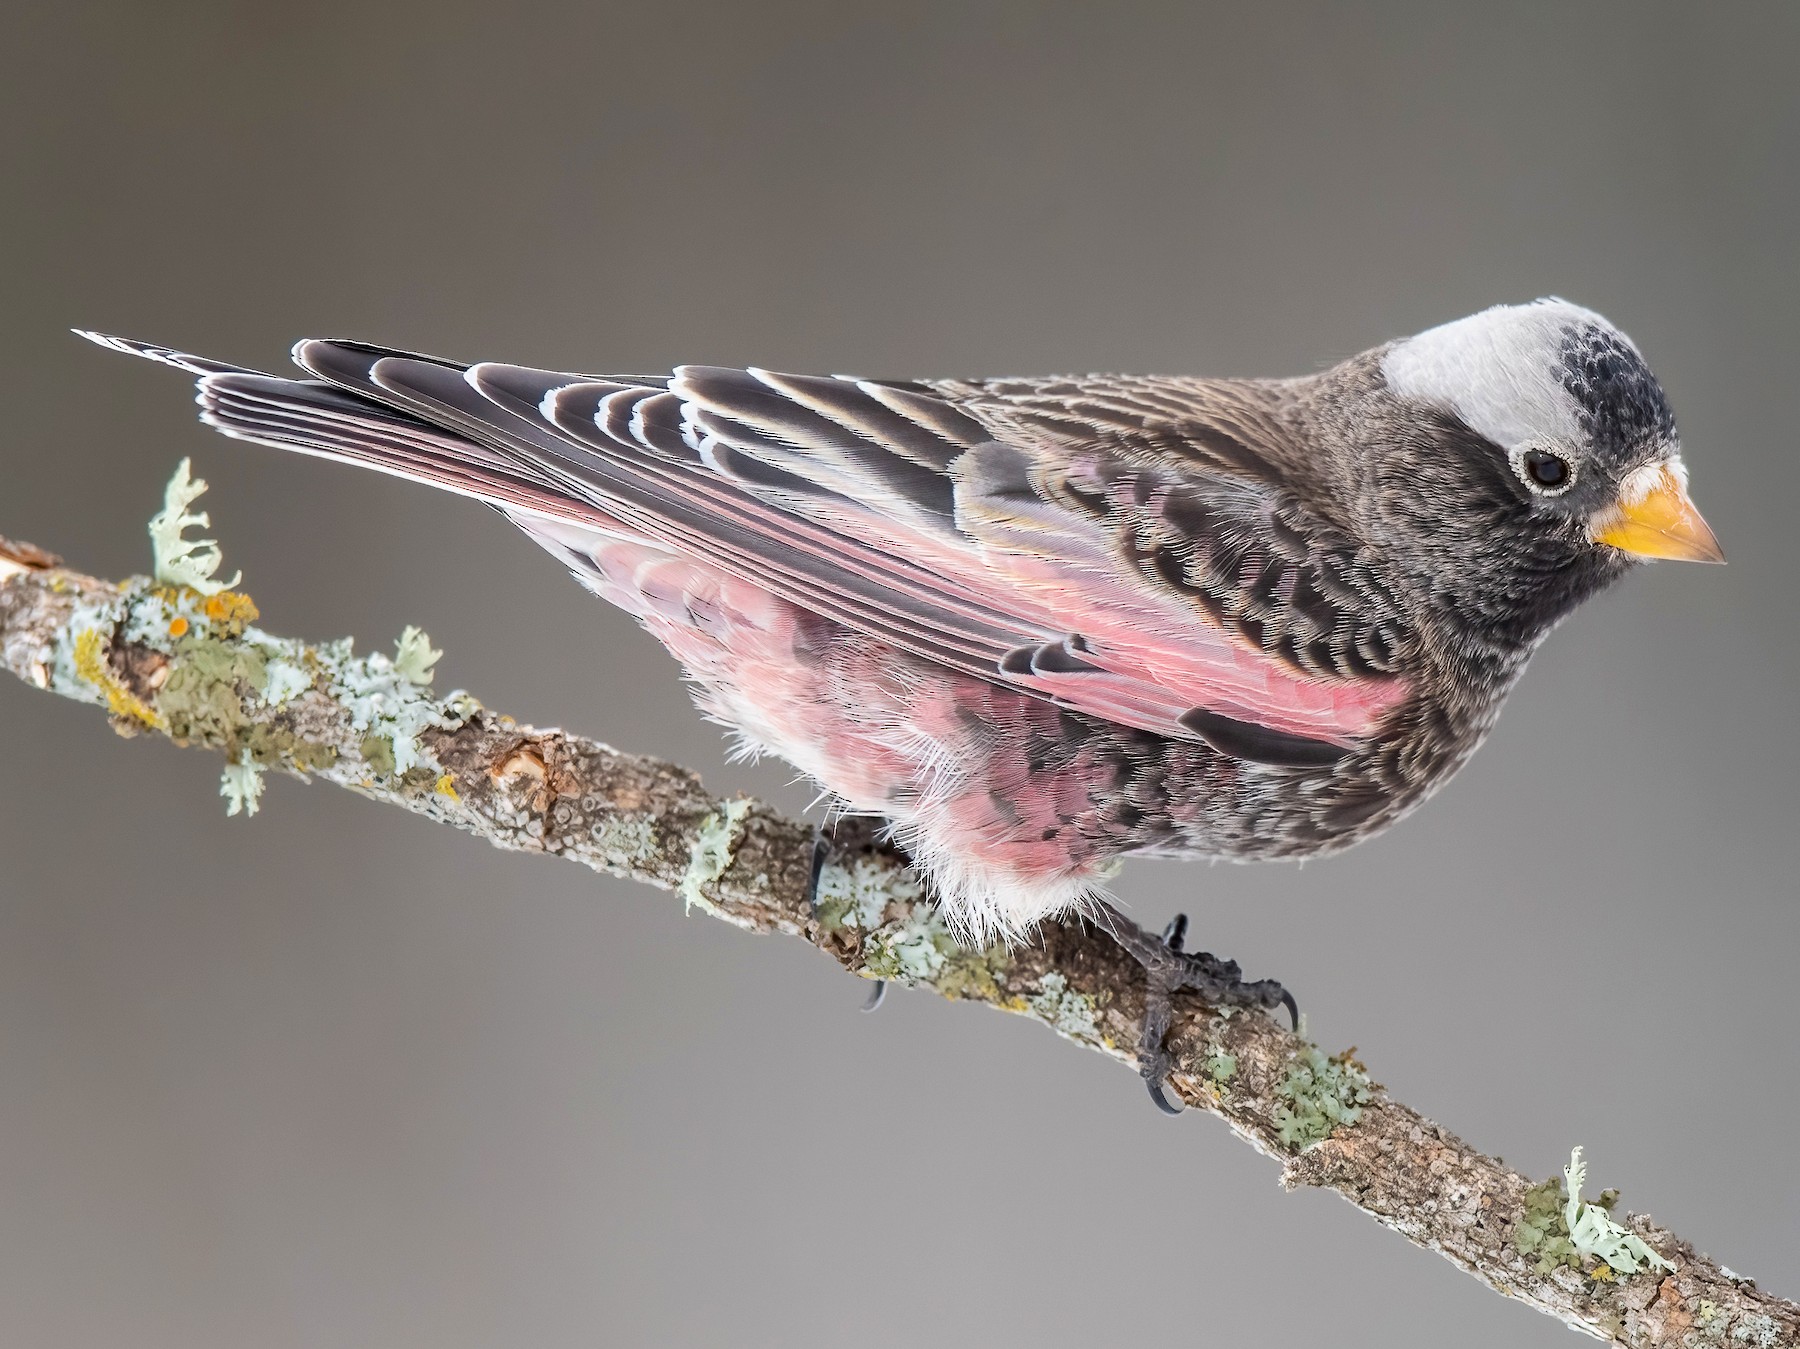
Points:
(1169, 969)
(821, 852)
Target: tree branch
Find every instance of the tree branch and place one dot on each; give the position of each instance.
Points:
(170, 660)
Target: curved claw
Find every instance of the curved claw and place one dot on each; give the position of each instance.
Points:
(1293, 1009)
(879, 992)
(1162, 1102)
(820, 850)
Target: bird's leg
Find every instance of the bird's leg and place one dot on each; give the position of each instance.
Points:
(1168, 969)
(821, 852)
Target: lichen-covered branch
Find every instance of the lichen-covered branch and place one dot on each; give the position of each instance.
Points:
(164, 657)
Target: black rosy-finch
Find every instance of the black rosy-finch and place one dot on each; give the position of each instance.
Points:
(1039, 624)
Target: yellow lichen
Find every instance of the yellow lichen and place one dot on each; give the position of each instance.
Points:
(446, 786)
(90, 664)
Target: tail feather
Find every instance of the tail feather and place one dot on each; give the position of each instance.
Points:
(180, 360)
(437, 391)
(324, 419)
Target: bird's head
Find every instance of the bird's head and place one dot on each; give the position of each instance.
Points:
(1534, 458)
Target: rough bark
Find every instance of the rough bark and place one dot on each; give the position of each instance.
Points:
(171, 661)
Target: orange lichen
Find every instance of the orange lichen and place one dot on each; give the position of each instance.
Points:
(178, 627)
(227, 612)
(230, 611)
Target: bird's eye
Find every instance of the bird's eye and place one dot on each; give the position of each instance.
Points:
(1546, 472)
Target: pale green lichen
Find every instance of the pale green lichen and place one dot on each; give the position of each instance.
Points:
(917, 948)
(913, 945)
(221, 676)
(902, 936)
(856, 893)
(1561, 1229)
(202, 699)
(241, 785)
(1219, 1065)
(77, 665)
(1542, 1231)
(1593, 1232)
(1318, 1095)
(622, 841)
(913, 950)
(378, 753)
(1070, 1014)
(711, 854)
(384, 702)
(414, 656)
(974, 972)
(179, 560)
(284, 680)
(214, 685)
(1756, 1329)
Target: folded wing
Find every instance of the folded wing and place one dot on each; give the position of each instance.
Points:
(1189, 599)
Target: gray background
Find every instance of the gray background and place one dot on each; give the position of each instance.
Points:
(336, 1076)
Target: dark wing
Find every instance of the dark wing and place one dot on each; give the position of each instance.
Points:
(1078, 570)
(1185, 484)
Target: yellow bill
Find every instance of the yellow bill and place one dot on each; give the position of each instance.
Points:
(1654, 518)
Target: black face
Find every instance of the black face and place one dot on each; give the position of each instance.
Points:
(1499, 538)
(1624, 422)
(1622, 408)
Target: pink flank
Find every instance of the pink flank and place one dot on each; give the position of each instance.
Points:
(939, 753)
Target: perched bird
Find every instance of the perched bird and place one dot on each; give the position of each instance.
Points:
(1039, 624)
